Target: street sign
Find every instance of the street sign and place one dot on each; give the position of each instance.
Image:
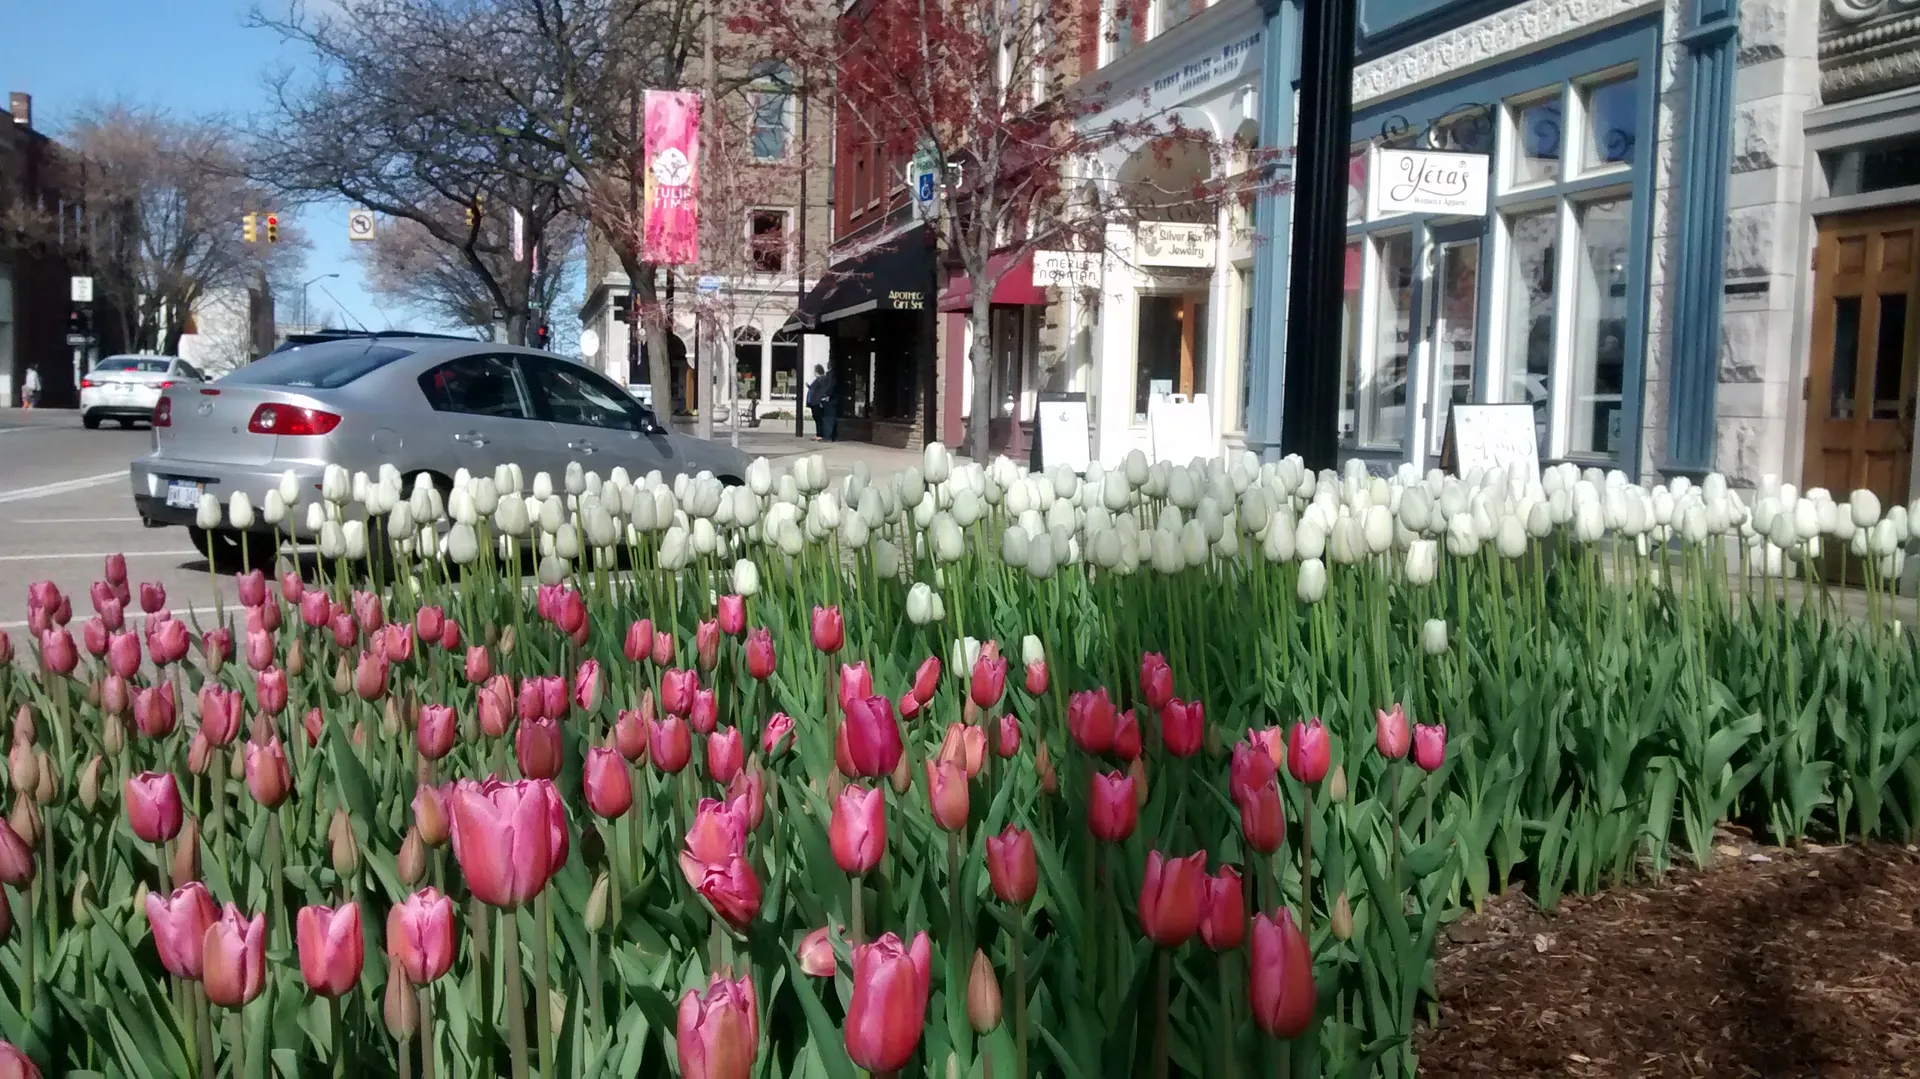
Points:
(360, 224)
(921, 177)
(82, 290)
(76, 339)
(589, 341)
(708, 284)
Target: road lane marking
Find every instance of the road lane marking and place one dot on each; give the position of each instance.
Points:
(45, 490)
(74, 520)
(179, 552)
(185, 614)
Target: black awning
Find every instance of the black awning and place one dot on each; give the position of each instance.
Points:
(895, 275)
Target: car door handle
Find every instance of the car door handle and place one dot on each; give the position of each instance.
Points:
(471, 438)
(582, 446)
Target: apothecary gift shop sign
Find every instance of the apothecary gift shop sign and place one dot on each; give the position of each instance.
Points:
(1429, 182)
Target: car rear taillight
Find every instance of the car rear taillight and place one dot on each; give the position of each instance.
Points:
(291, 420)
(163, 412)
(167, 384)
(86, 384)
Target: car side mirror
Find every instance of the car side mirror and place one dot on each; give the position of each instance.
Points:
(649, 425)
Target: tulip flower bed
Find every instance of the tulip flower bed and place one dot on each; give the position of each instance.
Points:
(964, 771)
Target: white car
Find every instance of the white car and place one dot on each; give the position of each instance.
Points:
(125, 388)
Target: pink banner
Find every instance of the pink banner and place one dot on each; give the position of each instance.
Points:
(673, 178)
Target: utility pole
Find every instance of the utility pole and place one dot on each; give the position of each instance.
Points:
(703, 356)
(800, 286)
(633, 217)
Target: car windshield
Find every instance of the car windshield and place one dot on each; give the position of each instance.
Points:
(134, 363)
(328, 365)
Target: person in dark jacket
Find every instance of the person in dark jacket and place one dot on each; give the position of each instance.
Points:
(820, 403)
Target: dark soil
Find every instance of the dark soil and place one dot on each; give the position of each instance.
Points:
(1777, 964)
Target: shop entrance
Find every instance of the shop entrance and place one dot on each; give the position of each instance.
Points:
(1171, 344)
(1865, 353)
(1453, 305)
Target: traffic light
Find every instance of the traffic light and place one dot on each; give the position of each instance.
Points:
(273, 228)
(541, 335)
(248, 230)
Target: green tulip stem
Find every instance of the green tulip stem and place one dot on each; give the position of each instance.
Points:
(1019, 950)
(856, 924)
(237, 1038)
(1229, 1054)
(27, 948)
(203, 1030)
(1163, 982)
(1393, 810)
(1306, 860)
(481, 919)
(217, 775)
(592, 986)
(542, 1013)
(515, 993)
(427, 1066)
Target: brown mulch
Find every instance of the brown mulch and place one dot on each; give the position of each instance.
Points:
(1772, 963)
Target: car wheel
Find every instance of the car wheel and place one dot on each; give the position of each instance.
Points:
(90, 421)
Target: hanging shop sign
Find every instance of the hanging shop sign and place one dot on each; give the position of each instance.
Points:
(1174, 243)
(672, 229)
(1429, 182)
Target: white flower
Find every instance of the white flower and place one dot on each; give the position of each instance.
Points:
(289, 488)
(1588, 523)
(1884, 537)
(426, 503)
(948, 543)
(360, 485)
(1312, 585)
(566, 542)
(336, 486)
(759, 476)
(551, 514)
(207, 513)
(1309, 539)
(1278, 545)
(1032, 651)
(601, 531)
(510, 517)
(353, 540)
(542, 486)
(1423, 562)
(275, 509)
(1806, 518)
(316, 516)
(1105, 548)
(240, 510)
(1377, 528)
(939, 463)
(551, 571)
(1346, 545)
(1040, 556)
(1866, 508)
(400, 520)
(463, 547)
(964, 653)
(460, 507)
(886, 559)
(919, 603)
(705, 540)
(1511, 539)
(574, 479)
(674, 549)
(853, 531)
(745, 579)
(1540, 520)
(1462, 540)
(486, 496)
(1433, 637)
(1013, 546)
(332, 542)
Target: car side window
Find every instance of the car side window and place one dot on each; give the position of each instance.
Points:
(477, 386)
(188, 370)
(574, 395)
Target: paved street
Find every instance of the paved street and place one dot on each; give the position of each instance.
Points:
(65, 506)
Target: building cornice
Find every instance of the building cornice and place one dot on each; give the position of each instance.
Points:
(1519, 29)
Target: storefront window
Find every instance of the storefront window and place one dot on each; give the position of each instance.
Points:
(1528, 341)
(1613, 123)
(1537, 128)
(1455, 314)
(1171, 349)
(1383, 388)
(1600, 327)
(1350, 345)
(1357, 184)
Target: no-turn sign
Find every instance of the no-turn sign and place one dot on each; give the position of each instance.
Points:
(360, 225)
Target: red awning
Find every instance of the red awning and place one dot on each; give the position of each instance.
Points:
(1015, 286)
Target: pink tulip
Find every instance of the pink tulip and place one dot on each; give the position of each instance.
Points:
(537, 748)
(57, 651)
(606, 784)
(479, 665)
(586, 686)
(1280, 976)
(434, 734)
(630, 735)
(1430, 746)
(331, 947)
(676, 691)
(778, 736)
(313, 725)
(926, 679)
(639, 643)
(220, 711)
(114, 695)
(856, 682)
(16, 1064)
(420, 936)
(1251, 769)
(670, 745)
(719, 832)
(270, 690)
(495, 705)
(1182, 727)
(370, 677)
(396, 641)
(179, 923)
(266, 616)
(748, 794)
(717, 1033)
(829, 633)
(6, 648)
(449, 636)
(153, 806)
(873, 737)
(116, 569)
(1008, 742)
(1223, 918)
(947, 793)
(1112, 810)
(662, 649)
(153, 596)
(816, 954)
(706, 645)
(102, 593)
(123, 654)
(113, 614)
(889, 1005)
(1036, 682)
(269, 779)
(725, 755)
(732, 889)
(1171, 894)
(857, 831)
(705, 713)
(966, 746)
(235, 958)
(1091, 719)
(1309, 754)
(732, 615)
(346, 632)
(503, 838)
(1156, 680)
(760, 658)
(154, 711)
(1011, 866)
(292, 587)
(251, 587)
(367, 611)
(93, 637)
(16, 858)
(315, 610)
(989, 681)
(1126, 737)
(260, 649)
(1390, 733)
(216, 647)
(428, 621)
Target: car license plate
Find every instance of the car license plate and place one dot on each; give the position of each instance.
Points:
(184, 494)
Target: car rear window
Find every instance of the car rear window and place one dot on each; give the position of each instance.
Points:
(134, 363)
(328, 365)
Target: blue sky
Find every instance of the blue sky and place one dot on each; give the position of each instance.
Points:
(190, 57)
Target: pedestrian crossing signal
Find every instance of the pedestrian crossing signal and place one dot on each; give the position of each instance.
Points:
(249, 231)
(273, 228)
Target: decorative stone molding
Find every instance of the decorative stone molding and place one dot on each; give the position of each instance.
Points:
(1868, 47)
(1518, 29)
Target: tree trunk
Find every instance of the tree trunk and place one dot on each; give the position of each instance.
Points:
(659, 352)
(980, 359)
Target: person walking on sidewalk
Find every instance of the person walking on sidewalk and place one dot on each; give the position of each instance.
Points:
(820, 403)
(30, 387)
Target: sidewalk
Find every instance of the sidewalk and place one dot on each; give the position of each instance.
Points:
(776, 442)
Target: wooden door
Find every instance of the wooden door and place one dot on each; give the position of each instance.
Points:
(1864, 355)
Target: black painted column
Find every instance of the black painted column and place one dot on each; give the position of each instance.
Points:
(1310, 410)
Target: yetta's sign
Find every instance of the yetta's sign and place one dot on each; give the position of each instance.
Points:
(1429, 182)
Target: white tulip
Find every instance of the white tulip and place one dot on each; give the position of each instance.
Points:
(1883, 539)
(240, 510)
(1312, 585)
(1423, 562)
(1433, 637)
(601, 530)
(1013, 545)
(316, 516)
(400, 520)
(1193, 544)
(675, 548)
(1462, 540)
(336, 485)
(1346, 544)
(1693, 524)
(510, 517)
(551, 515)
(1040, 556)
(1782, 533)
(274, 508)
(542, 486)
(359, 485)
(919, 603)
(1278, 545)
(962, 656)
(463, 547)
(1588, 523)
(1309, 539)
(332, 542)
(1897, 517)
(1865, 506)
(705, 540)
(426, 504)
(948, 543)
(460, 507)
(1806, 517)
(938, 462)
(575, 478)
(353, 540)
(566, 542)
(207, 513)
(853, 531)
(1511, 539)
(1376, 527)
(967, 508)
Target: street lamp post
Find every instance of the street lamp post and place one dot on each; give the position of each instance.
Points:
(304, 285)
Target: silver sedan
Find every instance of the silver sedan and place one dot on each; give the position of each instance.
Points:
(426, 405)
